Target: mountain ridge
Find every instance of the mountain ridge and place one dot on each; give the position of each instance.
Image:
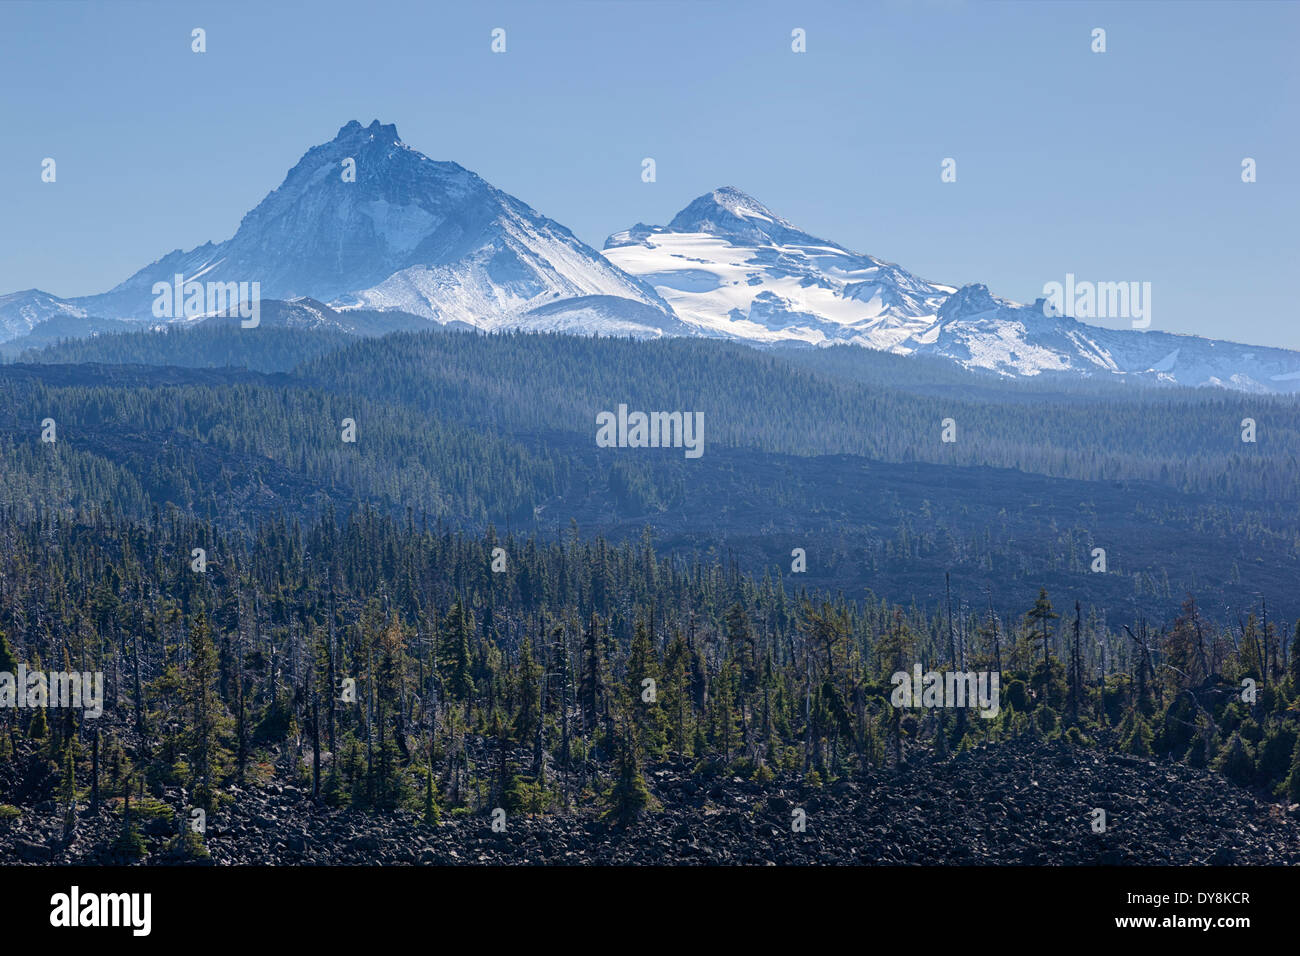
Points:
(729, 264)
(366, 223)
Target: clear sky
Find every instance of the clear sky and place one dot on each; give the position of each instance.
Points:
(1124, 165)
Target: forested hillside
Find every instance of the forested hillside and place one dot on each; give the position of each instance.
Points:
(381, 664)
(831, 452)
(806, 402)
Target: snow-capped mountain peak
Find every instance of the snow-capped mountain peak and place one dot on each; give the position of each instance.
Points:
(730, 265)
(366, 224)
(365, 221)
(971, 300)
(729, 212)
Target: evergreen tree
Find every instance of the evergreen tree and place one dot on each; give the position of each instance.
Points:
(203, 703)
(629, 797)
(1235, 761)
(528, 719)
(1293, 778)
(456, 654)
(1038, 621)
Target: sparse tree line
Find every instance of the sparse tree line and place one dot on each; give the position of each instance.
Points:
(381, 664)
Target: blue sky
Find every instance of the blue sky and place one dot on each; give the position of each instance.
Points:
(1116, 166)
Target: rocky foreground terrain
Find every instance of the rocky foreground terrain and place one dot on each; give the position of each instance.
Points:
(1026, 802)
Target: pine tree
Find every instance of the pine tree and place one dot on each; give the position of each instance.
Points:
(8, 664)
(677, 693)
(37, 727)
(1293, 779)
(1250, 654)
(528, 718)
(629, 797)
(1235, 760)
(455, 657)
(129, 845)
(647, 715)
(743, 647)
(592, 681)
(1039, 617)
(1295, 660)
(68, 792)
(204, 708)
(1135, 734)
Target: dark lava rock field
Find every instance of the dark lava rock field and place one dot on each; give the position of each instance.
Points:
(1023, 802)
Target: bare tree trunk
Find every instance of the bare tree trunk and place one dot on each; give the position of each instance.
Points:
(315, 746)
(94, 770)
